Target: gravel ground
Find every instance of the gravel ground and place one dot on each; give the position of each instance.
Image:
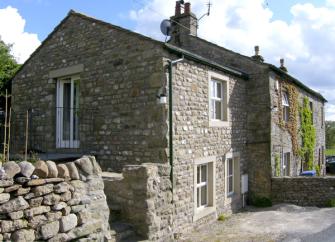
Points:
(282, 222)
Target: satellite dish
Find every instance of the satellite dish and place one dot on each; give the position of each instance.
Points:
(166, 27)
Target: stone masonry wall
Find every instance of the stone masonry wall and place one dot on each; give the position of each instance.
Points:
(194, 139)
(258, 115)
(119, 119)
(145, 198)
(281, 139)
(303, 191)
(49, 202)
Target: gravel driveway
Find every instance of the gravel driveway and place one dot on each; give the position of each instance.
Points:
(282, 222)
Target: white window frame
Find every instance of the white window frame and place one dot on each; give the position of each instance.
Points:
(60, 142)
(286, 106)
(229, 193)
(202, 184)
(286, 163)
(224, 81)
(210, 207)
(236, 177)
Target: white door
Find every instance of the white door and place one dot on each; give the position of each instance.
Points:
(67, 113)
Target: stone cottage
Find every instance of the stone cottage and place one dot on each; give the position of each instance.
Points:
(212, 114)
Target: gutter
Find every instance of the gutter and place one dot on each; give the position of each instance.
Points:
(171, 64)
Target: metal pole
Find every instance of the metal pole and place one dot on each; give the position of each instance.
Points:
(5, 135)
(10, 117)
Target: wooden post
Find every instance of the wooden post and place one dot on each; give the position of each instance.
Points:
(5, 135)
(27, 125)
(10, 117)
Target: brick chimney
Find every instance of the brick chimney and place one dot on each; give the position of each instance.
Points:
(183, 23)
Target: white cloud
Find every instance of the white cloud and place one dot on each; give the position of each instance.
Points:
(306, 42)
(12, 32)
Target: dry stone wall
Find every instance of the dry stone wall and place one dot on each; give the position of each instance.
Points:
(303, 191)
(52, 202)
(145, 198)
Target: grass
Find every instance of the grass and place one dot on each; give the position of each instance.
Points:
(330, 152)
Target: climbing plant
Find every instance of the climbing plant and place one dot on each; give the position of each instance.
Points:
(277, 164)
(308, 135)
(292, 125)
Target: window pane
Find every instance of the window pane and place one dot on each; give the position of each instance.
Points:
(230, 167)
(218, 110)
(76, 110)
(66, 110)
(198, 174)
(212, 86)
(198, 197)
(204, 195)
(285, 99)
(204, 173)
(212, 109)
(230, 184)
(219, 90)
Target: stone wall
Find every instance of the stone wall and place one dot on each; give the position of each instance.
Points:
(303, 191)
(144, 195)
(120, 73)
(52, 202)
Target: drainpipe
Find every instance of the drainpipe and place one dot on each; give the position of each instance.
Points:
(171, 63)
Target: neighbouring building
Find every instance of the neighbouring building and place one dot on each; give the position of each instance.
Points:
(96, 88)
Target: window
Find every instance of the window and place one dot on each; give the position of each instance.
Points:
(311, 108)
(204, 187)
(286, 107)
(322, 117)
(286, 164)
(67, 113)
(230, 176)
(218, 99)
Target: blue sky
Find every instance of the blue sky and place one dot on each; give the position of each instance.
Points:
(43, 15)
(301, 31)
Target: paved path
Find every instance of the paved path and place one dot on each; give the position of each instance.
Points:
(279, 223)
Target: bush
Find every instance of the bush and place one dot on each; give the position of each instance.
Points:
(261, 202)
(331, 203)
(222, 217)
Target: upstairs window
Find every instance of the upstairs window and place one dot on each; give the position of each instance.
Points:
(216, 102)
(311, 108)
(286, 106)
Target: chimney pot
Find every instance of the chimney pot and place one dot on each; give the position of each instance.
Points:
(187, 8)
(178, 8)
(256, 50)
(282, 66)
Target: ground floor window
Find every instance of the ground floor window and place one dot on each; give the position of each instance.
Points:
(232, 174)
(204, 187)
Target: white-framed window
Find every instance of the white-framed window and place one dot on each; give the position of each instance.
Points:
(67, 112)
(230, 176)
(286, 164)
(286, 106)
(204, 187)
(218, 98)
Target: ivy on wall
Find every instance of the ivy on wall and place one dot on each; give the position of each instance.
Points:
(292, 125)
(308, 135)
(277, 164)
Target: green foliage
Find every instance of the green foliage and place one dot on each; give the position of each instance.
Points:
(277, 164)
(330, 135)
(318, 170)
(222, 217)
(8, 67)
(329, 152)
(308, 135)
(331, 203)
(261, 202)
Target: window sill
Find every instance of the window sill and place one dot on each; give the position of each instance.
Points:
(202, 212)
(218, 123)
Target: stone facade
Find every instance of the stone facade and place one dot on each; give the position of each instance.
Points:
(53, 207)
(145, 198)
(303, 191)
(120, 75)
